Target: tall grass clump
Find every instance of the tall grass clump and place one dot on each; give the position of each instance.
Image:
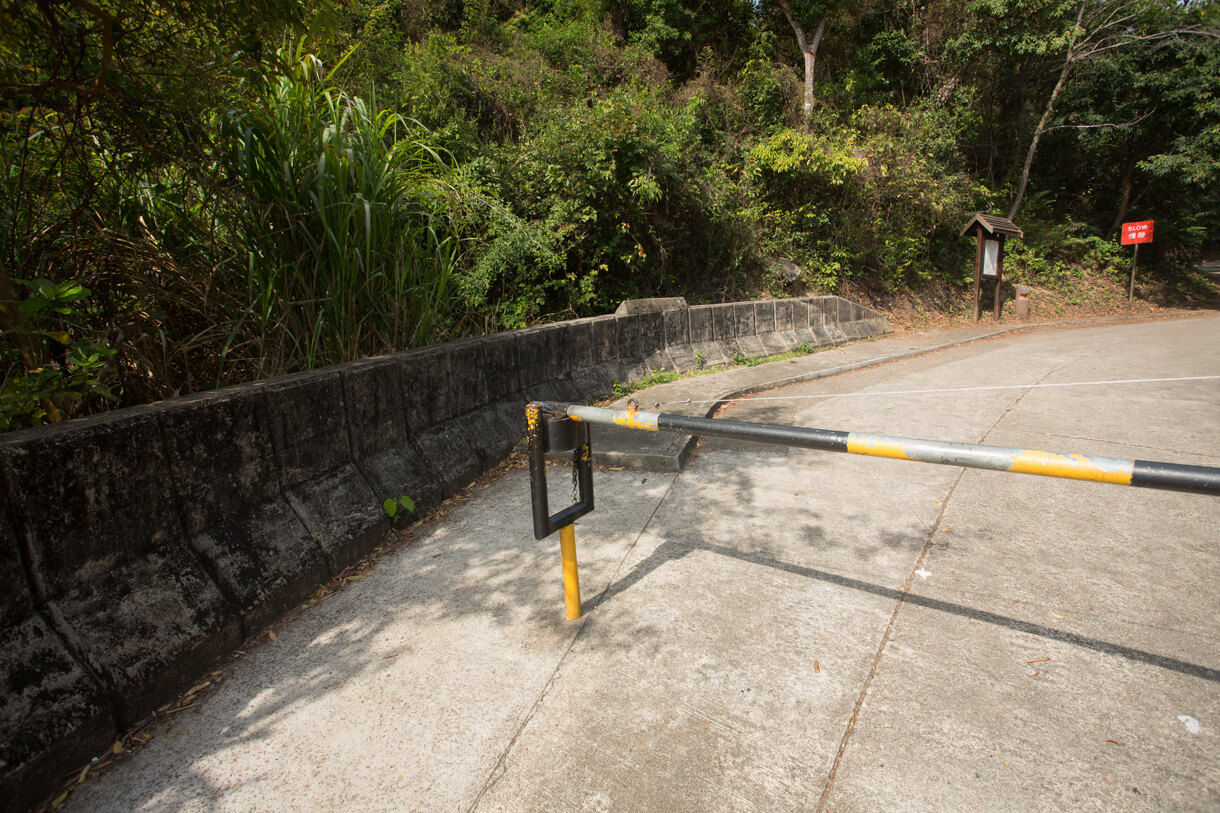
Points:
(350, 243)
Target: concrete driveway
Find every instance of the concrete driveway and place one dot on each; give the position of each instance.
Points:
(775, 629)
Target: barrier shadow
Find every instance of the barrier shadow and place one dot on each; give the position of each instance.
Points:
(671, 551)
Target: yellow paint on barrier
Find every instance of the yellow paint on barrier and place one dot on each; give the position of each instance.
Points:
(637, 420)
(1073, 466)
(876, 446)
(571, 577)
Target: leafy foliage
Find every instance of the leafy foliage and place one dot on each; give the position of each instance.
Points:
(350, 244)
(236, 210)
(871, 198)
(73, 374)
(595, 204)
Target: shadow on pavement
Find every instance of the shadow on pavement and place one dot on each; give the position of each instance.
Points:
(670, 551)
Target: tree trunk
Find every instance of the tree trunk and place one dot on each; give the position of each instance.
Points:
(1128, 185)
(809, 51)
(1038, 131)
(811, 56)
(1018, 130)
(1068, 61)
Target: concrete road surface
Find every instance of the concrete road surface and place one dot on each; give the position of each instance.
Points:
(775, 629)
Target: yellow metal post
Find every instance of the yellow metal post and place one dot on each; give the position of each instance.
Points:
(571, 579)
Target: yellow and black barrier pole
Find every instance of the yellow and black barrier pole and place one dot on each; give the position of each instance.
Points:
(1119, 471)
(551, 431)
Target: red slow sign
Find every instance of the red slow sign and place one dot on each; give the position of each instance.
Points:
(1140, 232)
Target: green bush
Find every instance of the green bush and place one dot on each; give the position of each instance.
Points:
(868, 200)
(36, 390)
(1063, 255)
(597, 203)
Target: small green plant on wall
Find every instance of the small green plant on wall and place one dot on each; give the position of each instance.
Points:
(398, 508)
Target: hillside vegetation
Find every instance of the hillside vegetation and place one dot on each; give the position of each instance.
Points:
(209, 191)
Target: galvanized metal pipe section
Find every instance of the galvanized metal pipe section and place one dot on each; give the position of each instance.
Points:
(1140, 473)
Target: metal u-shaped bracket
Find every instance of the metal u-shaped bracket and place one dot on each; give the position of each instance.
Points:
(545, 523)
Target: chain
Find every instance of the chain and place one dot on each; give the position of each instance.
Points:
(575, 473)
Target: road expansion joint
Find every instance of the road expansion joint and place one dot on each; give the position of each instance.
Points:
(1159, 449)
(885, 639)
(498, 771)
(904, 596)
(906, 589)
(1030, 388)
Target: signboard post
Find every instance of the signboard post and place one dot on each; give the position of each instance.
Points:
(1133, 235)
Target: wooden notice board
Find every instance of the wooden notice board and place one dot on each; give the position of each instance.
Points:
(990, 232)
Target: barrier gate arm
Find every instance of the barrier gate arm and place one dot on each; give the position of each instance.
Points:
(1120, 471)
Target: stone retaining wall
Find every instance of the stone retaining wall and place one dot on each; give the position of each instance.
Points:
(139, 546)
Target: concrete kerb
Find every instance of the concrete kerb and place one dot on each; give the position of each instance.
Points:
(657, 357)
(434, 457)
(724, 326)
(539, 352)
(641, 339)
(589, 348)
(677, 339)
(512, 413)
(501, 370)
(801, 315)
(450, 456)
(604, 365)
(418, 370)
(457, 385)
(49, 715)
(765, 322)
(653, 305)
(832, 307)
(746, 340)
(648, 451)
(462, 434)
(784, 325)
(705, 348)
(381, 434)
(577, 348)
(677, 327)
(487, 435)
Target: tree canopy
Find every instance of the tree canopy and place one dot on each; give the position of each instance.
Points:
(205, 191)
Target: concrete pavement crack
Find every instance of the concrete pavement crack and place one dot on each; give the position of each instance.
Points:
(885, 639)
(497, 772)
(1027, 390)
(906, 589)
(1161, 449)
